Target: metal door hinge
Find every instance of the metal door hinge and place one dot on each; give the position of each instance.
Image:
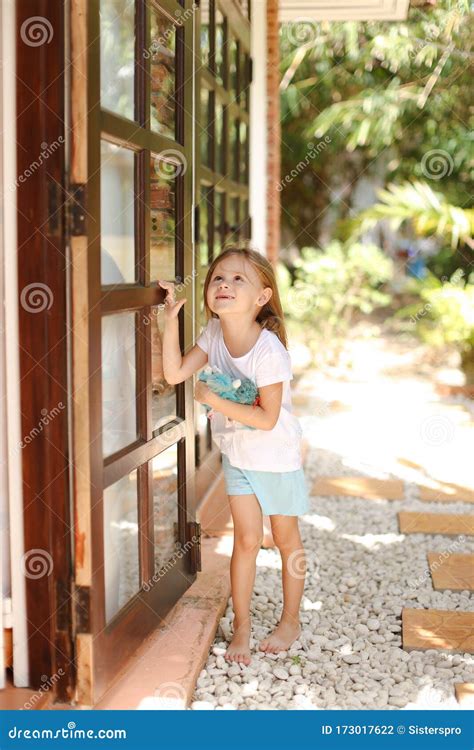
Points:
(194, 538)
(76, 210)
(81, 611)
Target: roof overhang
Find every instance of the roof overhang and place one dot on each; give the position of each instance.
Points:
(343, 10)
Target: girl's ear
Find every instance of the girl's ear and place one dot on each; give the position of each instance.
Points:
(265, 296)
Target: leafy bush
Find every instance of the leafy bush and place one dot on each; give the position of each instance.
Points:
(447, 315)
(330, 286)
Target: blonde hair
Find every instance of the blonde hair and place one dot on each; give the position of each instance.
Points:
(270, 315)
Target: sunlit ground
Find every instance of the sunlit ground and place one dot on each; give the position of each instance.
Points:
(384, 416)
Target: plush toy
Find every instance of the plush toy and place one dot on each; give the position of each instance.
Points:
(234, 389)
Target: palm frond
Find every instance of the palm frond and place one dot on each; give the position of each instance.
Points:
(428, 211)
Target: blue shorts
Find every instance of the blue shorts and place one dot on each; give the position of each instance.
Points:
(278, 492)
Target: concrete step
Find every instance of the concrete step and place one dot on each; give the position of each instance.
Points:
(436, 523)
(453, 571)
(445, 630)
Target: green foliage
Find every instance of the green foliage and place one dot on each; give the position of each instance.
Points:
(445, 313)
(380, 91)
(331, 285)
(427, 210)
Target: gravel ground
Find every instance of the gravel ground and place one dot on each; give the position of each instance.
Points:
(361, 573)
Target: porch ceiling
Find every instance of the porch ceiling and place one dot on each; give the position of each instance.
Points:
(343, 10)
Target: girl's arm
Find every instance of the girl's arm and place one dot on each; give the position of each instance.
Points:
(263, 416)
(175, 367)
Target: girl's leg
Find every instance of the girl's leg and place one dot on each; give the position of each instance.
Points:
(268, 542)
(287, 538)
(248, 534)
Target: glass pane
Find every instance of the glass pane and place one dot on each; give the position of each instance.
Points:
(219, 135)
(163, 175)
(234, 150)
(244, 81)
(203, 434)
(234, 219)
(205, 38)
(243, 152)
(119, 419)
(206, 127)
(164, 394)
(219, 235)
(165, 505)
(117, 56)
(204, 226)
(244, 220)
(220, 42)
(121, 560)
(233, 68)
(162, 72)
(117, 215)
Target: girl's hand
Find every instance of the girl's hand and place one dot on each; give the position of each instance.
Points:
(172, 307)
(203, 394)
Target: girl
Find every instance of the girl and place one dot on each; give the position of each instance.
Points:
(245, 336)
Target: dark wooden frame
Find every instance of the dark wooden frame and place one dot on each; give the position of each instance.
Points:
(98, 642)
(43, 352)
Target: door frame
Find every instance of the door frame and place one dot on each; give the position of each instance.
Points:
(43, 352)
(98, 642)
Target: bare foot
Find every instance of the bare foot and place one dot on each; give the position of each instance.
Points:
(281, 638)
(239, 648)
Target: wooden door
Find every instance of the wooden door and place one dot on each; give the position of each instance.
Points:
(136, 542)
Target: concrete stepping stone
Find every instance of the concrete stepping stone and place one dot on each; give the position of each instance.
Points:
(454, 572)
(439, 629)
(464, 692)
(446, 493)
(364, 487)
(435, 523)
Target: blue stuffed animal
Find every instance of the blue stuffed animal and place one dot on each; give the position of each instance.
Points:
(234, 389)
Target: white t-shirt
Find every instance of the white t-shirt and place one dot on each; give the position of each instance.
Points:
(278, 449)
